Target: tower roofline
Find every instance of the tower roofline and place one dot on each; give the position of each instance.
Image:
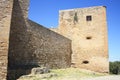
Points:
(81, 8)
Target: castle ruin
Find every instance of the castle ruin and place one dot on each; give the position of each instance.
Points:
(79, 41)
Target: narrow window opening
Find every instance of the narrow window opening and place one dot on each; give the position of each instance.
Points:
(72, 63)
(85, 62)
(88, 18)
(89, 37)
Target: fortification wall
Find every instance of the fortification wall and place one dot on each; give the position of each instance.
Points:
(32, 45)
(5, 19)
(50, 49)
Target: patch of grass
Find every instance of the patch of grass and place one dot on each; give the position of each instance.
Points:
(67, 74)
(75, 73)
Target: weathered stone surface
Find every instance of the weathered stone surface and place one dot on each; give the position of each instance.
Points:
(49, 75)
(5, 19)
(89, 38)
(40, 70)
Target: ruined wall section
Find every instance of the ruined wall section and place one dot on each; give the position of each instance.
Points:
(89, 38)
(5, 19)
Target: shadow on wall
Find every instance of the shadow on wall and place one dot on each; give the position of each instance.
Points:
(32, 45)
(17, 46)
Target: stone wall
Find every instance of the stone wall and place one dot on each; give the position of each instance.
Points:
(5, 17)
(51, 49)
(32, 45)
(89, 37)
(18, 46)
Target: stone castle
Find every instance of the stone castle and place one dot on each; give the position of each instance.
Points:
(80, 40)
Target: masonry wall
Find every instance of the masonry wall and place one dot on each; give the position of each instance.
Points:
(50, 49)
(89, 38)
(32, 45)
(5, 19)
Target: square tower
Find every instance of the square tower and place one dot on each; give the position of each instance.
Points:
(87, 28)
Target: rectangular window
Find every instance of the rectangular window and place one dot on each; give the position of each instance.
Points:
(88, 18)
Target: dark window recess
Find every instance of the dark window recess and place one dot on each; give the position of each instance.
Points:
(85, 62)
(72, 63)
(88, 18)
(89, 37)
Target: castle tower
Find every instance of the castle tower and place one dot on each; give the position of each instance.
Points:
(87, 28)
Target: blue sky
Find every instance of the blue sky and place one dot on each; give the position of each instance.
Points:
(46, 12)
